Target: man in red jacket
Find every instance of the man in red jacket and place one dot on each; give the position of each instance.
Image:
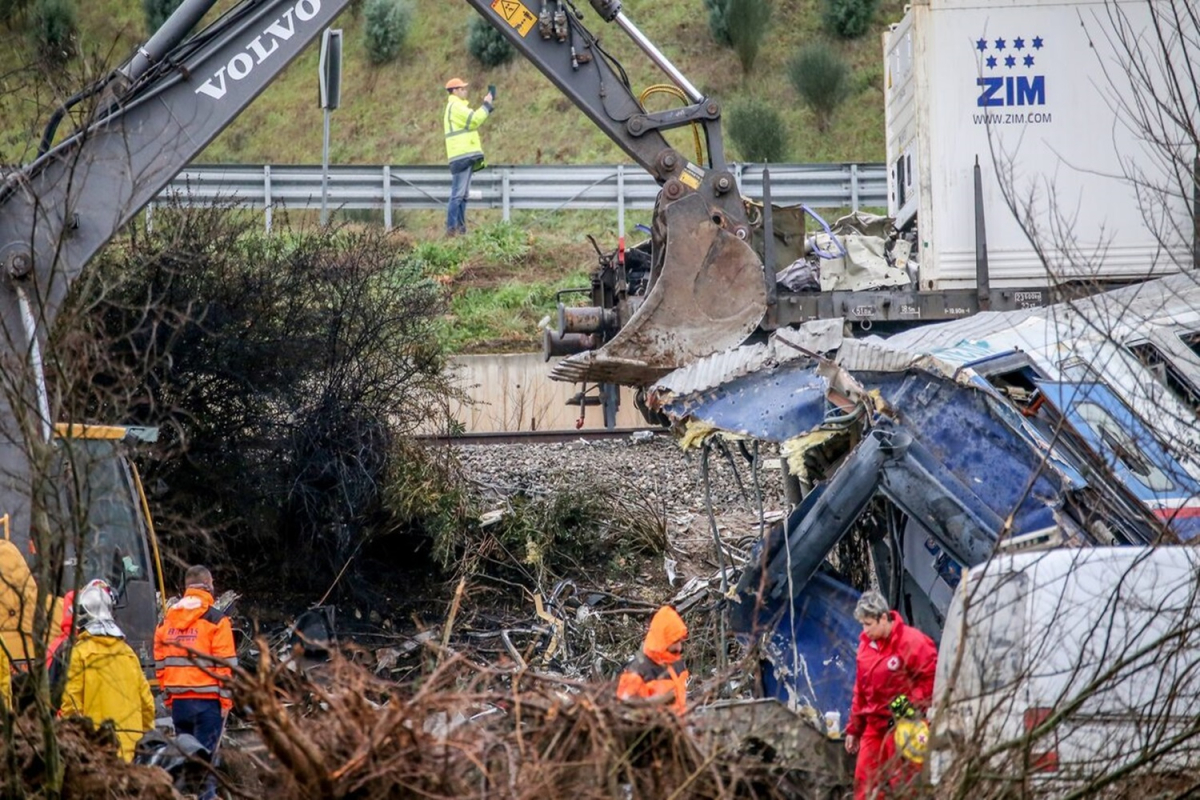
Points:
(893, 659)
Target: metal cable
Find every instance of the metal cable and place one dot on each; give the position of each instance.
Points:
(712, 522)
(737, 476)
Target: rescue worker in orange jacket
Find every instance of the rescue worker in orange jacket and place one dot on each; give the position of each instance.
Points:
(104, 675)
(656, 674)
(194, 655)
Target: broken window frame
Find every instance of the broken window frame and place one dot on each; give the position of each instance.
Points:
(1167, 372)
(1123, 445)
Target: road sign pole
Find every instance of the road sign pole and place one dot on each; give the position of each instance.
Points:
(325, 173)
(329, 76)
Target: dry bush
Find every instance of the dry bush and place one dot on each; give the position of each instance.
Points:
(92, 766)
(473, 731)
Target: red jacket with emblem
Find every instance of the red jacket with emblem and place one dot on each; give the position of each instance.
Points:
(903, 663)
(194, 651)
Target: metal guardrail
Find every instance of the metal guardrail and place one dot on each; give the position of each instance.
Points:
(567, 187)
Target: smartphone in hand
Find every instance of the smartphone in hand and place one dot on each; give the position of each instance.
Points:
(492, 90)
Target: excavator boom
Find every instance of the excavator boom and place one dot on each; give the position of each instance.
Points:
(707, 288)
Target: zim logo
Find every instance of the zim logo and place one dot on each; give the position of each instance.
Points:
(1007, 71)
(1022, 90)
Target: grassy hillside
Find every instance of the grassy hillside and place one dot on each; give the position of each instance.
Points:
(392, 114)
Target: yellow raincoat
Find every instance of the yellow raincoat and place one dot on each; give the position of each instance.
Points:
(5, 680)
(105, 681)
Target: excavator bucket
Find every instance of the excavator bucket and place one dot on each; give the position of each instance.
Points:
(708, 295)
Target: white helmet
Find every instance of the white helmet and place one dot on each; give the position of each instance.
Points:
(95, 603)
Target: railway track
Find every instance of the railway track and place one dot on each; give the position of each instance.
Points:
(539, 437)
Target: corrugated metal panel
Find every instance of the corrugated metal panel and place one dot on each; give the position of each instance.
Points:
(1118, 314)
(872, 356)
(819, 336)
(716, 369)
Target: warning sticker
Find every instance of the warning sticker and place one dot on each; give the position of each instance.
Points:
(516, 14)
(691, 176)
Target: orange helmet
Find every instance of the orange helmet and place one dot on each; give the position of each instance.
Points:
(456, 83)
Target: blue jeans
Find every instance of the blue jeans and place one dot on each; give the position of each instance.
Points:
(204, 720)
(460, 187)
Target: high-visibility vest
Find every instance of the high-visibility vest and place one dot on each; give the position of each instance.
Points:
(5, 680)
(194, 651)
(461, 124)
(644, 678)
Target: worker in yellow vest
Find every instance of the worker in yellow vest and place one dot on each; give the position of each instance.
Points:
(464, 151)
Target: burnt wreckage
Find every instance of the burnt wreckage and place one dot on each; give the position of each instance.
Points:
(1066, 426)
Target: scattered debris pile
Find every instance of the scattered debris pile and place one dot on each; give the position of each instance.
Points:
(544, 592)
(472, 731)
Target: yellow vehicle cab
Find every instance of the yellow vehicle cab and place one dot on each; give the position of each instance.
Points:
(101, 508)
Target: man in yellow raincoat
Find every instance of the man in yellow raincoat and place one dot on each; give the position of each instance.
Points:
(104, 677)
(5, 679)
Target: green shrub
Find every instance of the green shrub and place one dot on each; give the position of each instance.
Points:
(822, 79)
(488, 45)
(54, 30)
(849, 19)
(425, 492)
(718, 21)
(756, 128)
(157, 11)
(747, 21)
(13, 10)
(385, 28)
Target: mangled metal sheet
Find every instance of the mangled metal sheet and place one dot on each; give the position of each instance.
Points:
(1030, 428)
(772, 404)
(1174, 300)
(789, 344)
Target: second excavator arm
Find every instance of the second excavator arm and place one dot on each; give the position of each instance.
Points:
(707, 287)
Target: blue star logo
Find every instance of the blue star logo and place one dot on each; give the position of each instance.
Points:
(991, 62)
(1019, 43)
(999, 44)
(982, 45)
(1037, 43)
(1010, 61)
(1029, 61)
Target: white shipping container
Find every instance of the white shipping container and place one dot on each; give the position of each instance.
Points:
(1038, 92)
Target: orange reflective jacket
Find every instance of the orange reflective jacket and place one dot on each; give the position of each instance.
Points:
(655, 671)
(194, 651)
